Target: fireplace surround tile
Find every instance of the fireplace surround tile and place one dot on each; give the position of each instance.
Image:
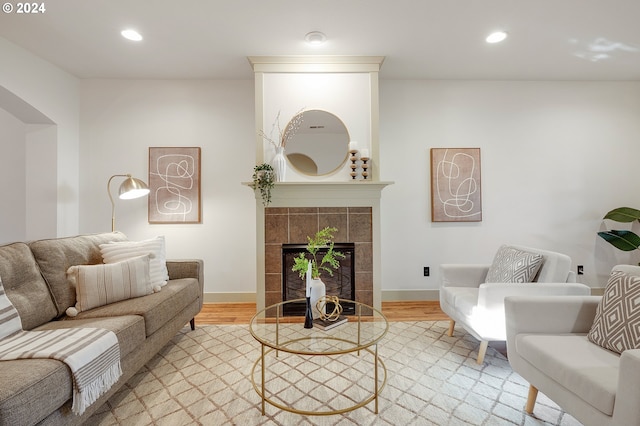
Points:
(278, 225)
(293, 225)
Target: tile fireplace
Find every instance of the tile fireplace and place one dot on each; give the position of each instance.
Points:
(292, 225)
(299, 209)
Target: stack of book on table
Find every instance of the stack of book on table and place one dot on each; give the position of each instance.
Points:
(328, 325)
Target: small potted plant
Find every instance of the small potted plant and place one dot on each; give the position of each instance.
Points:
(263, 180)
(323, 239)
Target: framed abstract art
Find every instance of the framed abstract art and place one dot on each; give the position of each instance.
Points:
(455, 185)
(174, 182)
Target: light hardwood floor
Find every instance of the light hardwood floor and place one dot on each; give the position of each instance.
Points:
(241, 313)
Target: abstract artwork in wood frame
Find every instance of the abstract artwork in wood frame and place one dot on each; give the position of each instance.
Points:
(455, 185)
(174, 181)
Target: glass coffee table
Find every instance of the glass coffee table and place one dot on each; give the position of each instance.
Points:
(311, 371)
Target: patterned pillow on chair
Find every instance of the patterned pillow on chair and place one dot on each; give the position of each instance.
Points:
(616, 325)
(512, 265)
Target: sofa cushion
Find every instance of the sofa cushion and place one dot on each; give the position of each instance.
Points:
(33, 388)
(25, 381)
(129, 329)
(55, 256)
(24, 286)
(156, 308)
(512, 265)
(99, 285)
(9, 319)
(118, 251)
(463, 299)
(592, 376)
(616, 325)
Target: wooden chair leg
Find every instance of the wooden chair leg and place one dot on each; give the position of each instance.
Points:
(452, 324)
(193, 324)
(482, 350)
(531, 399)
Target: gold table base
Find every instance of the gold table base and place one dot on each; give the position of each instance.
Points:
(374, 396)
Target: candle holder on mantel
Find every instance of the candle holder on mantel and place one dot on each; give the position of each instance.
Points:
(364, 166)
(353, 159)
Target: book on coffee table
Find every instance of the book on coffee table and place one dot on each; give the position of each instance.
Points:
(328, 325)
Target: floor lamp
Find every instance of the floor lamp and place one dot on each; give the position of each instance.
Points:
(129, 189)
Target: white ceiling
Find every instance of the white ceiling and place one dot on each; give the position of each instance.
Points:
(421, 39)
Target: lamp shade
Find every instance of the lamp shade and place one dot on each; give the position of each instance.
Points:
(132, 188)
(129, 189)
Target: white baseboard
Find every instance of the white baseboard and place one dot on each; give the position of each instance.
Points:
(387, 296)
(248, 297)
(409, 295)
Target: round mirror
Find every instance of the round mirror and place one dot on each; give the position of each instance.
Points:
(320, 145)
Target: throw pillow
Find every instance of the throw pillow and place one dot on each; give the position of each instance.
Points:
(120, 250)
(10, 322)
(99, 285)
(512, 265)
(616, 325)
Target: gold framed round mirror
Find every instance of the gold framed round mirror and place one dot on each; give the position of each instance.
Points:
(320, 145)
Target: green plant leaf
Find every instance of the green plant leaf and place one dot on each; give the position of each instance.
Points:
(300, 265)
(623, 240)
(623, 214)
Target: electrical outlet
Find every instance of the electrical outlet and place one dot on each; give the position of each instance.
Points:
(580, 270)
(426, 271)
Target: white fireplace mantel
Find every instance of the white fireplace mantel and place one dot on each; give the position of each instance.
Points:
(329, 194)
(322, 194)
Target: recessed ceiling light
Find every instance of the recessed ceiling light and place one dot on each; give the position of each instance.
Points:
(496, 37)
(315, 38)
(132, 35)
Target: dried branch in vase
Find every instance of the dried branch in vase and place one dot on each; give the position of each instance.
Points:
(289, 131)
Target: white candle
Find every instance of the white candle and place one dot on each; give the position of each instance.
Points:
(364, 153)
(308, 277)
(353, 146)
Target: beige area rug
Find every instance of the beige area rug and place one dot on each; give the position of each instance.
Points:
(202, 377)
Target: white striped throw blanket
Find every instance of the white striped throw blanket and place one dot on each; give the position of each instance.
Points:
(92, 354)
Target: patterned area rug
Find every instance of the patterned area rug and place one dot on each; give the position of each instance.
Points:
(203, 377)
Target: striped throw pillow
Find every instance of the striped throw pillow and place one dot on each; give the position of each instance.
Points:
(118, 251)
(102, 284)
(10, 322)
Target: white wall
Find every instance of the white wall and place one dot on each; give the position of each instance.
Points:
(45, 94)
(556, 156)
(121, 119)
(13, 223)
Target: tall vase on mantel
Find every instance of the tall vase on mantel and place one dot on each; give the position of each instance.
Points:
(318, 291)
(279, 164)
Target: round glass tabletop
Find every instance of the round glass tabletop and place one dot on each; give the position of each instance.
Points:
(287, 333)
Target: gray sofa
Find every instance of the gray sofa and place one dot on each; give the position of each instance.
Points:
(39, 391)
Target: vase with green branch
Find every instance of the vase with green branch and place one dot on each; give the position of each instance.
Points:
(324, 258)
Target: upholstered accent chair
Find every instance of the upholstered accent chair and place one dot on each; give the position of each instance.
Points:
(472, 295)
(583, 352)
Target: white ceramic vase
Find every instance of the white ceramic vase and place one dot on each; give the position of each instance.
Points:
(279, 164)
(318, 291)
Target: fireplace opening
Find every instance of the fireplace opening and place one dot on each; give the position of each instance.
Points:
(341, 284)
